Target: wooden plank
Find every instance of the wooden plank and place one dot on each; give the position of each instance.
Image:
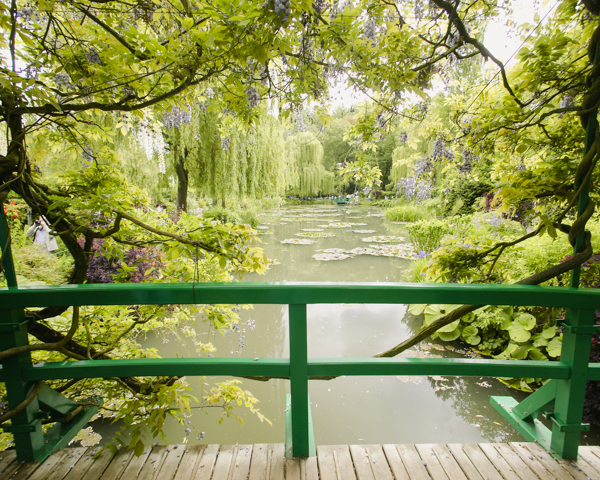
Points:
(171, 462)
(277, 461)
(555, 466)
(258, 465)
(464, 461)
(534, 464)
(135, 465)
(6, 458)
(586, 455)
(301, 469)
(413, 463)
(449, 464)
(370, 462)
(68, 462)
(432, 462)
(118, 465)
(25, 472)
(52, 464)
(83, 468)
(395, 462)
(490, 467)
(189, 462)
(151, 465)
(241, 465)
(510, 457)
(224, 459)
(335, 463)
(206, 463)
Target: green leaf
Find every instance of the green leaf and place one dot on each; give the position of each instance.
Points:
(518, 332)
(527, 320)
(536, 354)
(549, 332)
(470, 335)
(417, 308)
(554, 348)
(449, 336)
(139, 448)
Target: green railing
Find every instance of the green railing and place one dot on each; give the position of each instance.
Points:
(561, 398)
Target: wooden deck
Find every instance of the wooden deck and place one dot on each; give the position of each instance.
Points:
(514, 461)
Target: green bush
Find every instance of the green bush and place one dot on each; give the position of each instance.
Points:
(427, 235)
(468, 192)
(223, 215)
(35, 266)
(407, 213)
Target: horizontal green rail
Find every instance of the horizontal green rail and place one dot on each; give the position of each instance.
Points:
(280, 368)
(297, 293)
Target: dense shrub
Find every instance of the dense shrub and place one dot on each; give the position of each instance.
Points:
(138, 265)
(407, 213)
(468, 192)
(427, 235)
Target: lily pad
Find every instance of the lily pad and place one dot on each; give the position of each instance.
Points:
(342, 225)
(315, 234)
(328, 257)
(298, 241)
(363, 231)
(312, 229)
(383, 239)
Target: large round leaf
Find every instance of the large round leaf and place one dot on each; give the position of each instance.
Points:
(555, 347)
(433, 312)
(450, 327)
(518, 332)
(470, 335)
(449, 336)
(549, 332)
(527, 320)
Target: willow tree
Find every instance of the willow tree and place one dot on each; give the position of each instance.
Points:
(310, 176)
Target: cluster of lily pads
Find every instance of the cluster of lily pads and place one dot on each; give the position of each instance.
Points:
(315, 234)
(342, 225)
(383, 239)
(397, 251)
(298, 241)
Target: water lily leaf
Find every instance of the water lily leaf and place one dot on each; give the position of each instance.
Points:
(539, 341)
(470, 335)
(449, 328)
(449, 336)
(435, 311)
(518, 332)
(417, 308)
(527, 320)
(549, 332)
(555, 347)
(506, 354)
(536, 354)
(520, 353)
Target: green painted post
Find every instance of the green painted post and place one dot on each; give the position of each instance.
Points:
(299, 380)
(8, 266)
(26, 426)
(570, 393)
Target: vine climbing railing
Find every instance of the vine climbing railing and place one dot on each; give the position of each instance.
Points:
(561, 399)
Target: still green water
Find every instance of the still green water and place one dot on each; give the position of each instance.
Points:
(347, 410)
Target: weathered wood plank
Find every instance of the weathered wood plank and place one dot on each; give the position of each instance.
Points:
(25, 472)
(206, 463)
(464, 461)
(224, 460)
(432, 462)
(335, 462)
(189, 462)
(90, 468)
(118, 465)
(555, 466)
(6, 458)
(490, 467)
(171, 462)
(449, 464)
(413, 463)
(508, 455)
(258, 465)
(52, 463)
(370, 462)
(241, 463)
(534, 464)
(301, 469)
(395, 462)
(152, 464)
(277, 461)
(586, 455)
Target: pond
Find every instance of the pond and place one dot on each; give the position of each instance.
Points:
(346, 410)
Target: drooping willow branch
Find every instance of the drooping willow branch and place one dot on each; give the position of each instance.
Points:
(22, 406)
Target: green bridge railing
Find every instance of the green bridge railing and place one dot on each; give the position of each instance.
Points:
(561, 399)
